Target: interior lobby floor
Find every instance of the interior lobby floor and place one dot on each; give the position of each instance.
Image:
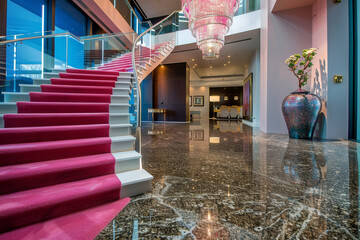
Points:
(226, 180)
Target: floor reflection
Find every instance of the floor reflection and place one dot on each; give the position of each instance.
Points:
(226, 180)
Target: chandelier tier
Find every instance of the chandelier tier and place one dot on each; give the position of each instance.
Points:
(209, 22)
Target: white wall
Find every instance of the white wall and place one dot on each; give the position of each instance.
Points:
(201, 91)
(254, 67)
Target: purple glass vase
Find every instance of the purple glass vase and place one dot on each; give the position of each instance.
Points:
(301, 110)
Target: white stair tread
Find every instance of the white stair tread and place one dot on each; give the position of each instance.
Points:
(16, 93)
(8, 104)
(29, 85)
(127, 77)
(133, 177)
(119, 104)
(123, 139)
(120, 125)
(125, 156)
(119, 114)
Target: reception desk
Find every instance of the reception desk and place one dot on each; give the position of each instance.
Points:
(156, 110)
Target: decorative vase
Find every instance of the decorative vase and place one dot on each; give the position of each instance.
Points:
(301, 110)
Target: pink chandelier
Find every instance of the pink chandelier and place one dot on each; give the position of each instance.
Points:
(209, 22)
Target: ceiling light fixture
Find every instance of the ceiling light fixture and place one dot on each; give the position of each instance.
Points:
(209, 22)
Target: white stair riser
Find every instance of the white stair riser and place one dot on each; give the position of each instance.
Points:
(58, 70)
(135, 189)
(8, 108)
(119, 131)
(30, 88)
(119, 109)
(122, 146)
(120, 84)
(120, 99)
(120, 91)
(118, 119)
(13, 97)
(124, 80)
(127, 165)
(51, 75)
(41, 81)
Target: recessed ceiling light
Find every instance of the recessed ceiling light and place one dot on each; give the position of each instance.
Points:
(229, 56)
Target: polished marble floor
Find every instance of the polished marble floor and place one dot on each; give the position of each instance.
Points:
(226, 180)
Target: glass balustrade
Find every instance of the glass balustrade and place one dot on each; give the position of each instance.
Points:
(26, 57)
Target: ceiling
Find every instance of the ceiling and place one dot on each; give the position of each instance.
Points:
(282, 5)
(158, 8)
(240, 47)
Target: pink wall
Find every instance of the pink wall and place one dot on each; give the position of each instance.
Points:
(288, 32)
(324, 25)
(319, 74)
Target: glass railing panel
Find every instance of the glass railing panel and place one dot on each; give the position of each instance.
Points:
(25, 59)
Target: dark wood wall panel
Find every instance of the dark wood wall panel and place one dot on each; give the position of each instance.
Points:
(171, 91)
(146, 97)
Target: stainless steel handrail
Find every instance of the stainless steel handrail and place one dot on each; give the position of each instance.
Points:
(63, 34)
(38, 37)
(138, 100)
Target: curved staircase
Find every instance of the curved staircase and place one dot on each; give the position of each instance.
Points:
(67, 159)
(66, 156)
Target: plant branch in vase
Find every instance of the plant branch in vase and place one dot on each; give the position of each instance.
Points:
(301, 109)
(301, 69)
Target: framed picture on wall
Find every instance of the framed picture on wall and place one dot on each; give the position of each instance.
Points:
(248, 100)
(198, 101)
(190, 101)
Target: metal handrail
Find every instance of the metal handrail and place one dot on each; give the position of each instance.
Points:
(38, 37)
(62, 34)
(138, 100)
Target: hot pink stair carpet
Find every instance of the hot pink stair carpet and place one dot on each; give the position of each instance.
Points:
(57, 173)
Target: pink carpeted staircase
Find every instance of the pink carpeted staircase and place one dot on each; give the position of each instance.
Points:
(67, 164)
(57, 161)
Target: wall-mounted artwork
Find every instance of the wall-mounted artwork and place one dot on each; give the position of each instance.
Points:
(190, 101)
(198, 101)
(247, 94)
